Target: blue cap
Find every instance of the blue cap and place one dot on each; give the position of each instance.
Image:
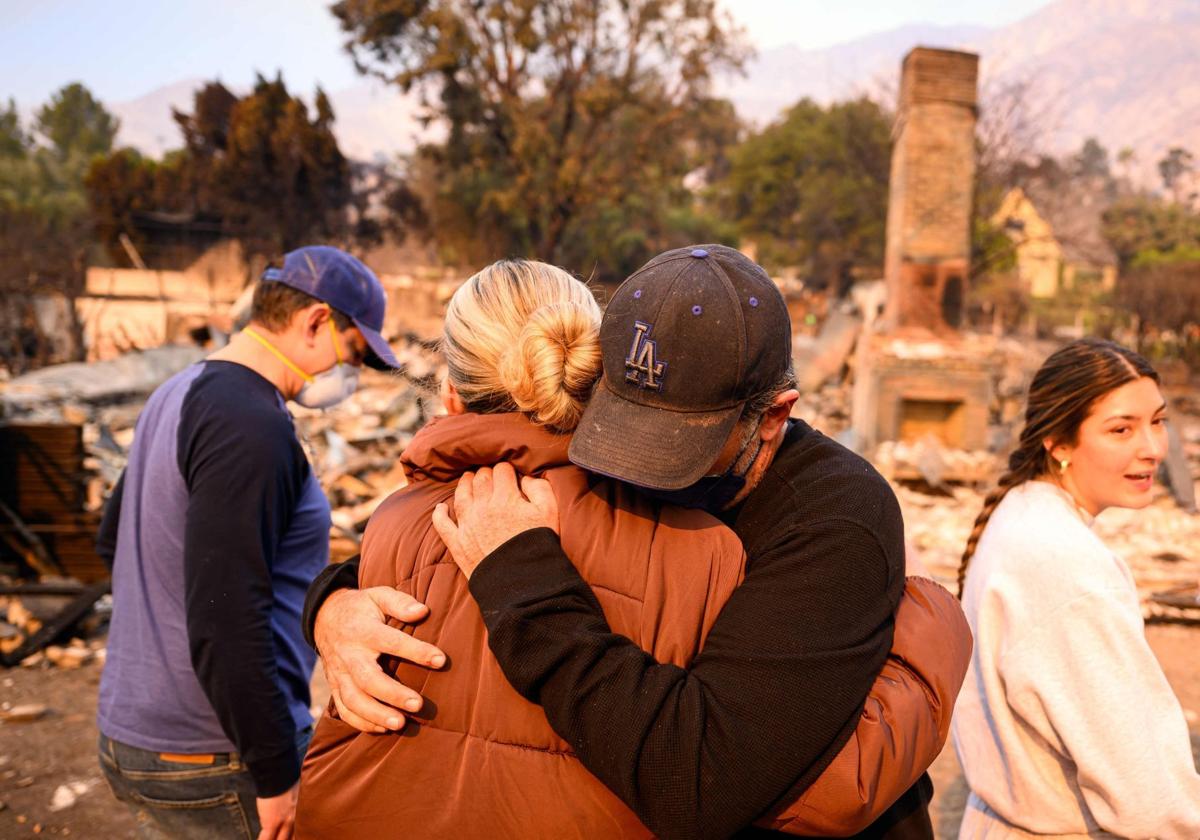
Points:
(342, 281)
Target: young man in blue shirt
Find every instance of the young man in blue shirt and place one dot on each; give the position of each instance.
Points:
(214, 532)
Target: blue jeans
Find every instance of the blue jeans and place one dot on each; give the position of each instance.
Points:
(185, 799)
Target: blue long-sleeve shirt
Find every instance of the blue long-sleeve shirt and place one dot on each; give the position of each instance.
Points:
(219, 525)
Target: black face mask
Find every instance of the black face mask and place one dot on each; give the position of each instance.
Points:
(712, 493)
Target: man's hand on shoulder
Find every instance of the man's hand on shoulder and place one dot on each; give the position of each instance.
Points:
(351, 632)
(490, 509)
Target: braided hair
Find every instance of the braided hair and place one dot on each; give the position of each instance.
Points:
(1061, 397)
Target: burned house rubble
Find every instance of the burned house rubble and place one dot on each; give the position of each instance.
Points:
(65, 432)
(61, 453)
(936, 409)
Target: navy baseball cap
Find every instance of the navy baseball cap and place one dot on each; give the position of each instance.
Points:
(342, 281)
(686, 342)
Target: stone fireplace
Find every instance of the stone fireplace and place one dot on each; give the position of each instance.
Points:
(906, 392)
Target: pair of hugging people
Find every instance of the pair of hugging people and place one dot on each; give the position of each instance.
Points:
(730, 647)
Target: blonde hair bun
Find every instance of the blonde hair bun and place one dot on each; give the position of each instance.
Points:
(550, 369)
(523, 335)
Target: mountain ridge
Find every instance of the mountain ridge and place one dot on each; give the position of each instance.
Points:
(1124, 71)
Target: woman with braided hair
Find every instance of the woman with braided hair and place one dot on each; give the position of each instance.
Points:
(1066, 726)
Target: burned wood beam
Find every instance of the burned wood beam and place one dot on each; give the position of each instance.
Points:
(64, 620)
(66, 587)
(36, 554)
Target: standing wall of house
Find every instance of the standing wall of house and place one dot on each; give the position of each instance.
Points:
(126, 309)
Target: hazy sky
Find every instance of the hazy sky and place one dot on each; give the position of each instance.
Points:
(122, 49)
(813, 24)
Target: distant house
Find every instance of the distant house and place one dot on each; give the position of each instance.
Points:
(1058, 238)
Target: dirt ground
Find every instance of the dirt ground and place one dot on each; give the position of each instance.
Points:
(37, 758)
(60, 749)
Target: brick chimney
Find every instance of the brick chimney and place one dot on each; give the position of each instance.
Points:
(932, 183)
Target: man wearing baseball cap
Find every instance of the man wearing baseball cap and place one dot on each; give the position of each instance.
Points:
(214, 532)
(694, 406)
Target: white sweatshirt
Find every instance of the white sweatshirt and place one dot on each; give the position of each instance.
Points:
(1066, 725)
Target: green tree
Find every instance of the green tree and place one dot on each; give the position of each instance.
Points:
(811, 189)
(570, 124)
(1142, 229)
(1176, 164)
(44, 172)
(45, 231)
(13, 141)
(1158, 244)
(76, 123)
(1127, 159)
(1091, 161)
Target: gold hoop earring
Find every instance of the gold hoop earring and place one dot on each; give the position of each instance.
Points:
(1063, 464)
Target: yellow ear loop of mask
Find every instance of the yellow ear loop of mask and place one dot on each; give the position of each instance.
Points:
(278, 355)
(337, 345)
(307, 377)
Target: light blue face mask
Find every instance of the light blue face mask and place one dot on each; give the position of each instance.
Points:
(329, 387)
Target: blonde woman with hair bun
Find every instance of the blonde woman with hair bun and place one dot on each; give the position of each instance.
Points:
(522, 353)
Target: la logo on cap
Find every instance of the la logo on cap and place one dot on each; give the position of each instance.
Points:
(641, 366)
